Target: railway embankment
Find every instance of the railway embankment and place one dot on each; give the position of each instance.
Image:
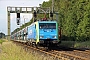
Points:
(18, 51)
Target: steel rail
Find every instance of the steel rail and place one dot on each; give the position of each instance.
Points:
(71, 55)
(85, 52)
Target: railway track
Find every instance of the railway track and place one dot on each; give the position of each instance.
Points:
(62, 55)
(54, 56)
(87, 51)
(71, 56)
(85, 54)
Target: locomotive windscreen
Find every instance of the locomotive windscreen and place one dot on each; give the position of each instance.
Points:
(47, 25)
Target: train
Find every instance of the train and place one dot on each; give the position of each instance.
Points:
(41, 32)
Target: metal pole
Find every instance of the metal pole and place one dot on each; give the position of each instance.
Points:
(24, 20)
(52, 6)
(33, 14)
(24, 29)
(8, 12)
(24, 26)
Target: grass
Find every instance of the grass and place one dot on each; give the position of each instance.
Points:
(67, 43)
(1, 41)
(12, 52)
(85, 44)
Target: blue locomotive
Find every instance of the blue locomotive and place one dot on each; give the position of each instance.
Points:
(43, 32)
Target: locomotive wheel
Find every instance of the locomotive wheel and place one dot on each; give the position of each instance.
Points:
(28, 43)
(37, 45)
(33, 44)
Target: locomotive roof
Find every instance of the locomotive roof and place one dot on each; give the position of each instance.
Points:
(43, 22)
(47, 21)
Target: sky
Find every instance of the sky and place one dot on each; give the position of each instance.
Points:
(15, 3)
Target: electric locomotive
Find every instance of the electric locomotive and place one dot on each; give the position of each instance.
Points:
(43, 32)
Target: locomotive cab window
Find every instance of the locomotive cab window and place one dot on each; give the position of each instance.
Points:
(47, 26)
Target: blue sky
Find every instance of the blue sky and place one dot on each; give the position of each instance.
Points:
(16, 3)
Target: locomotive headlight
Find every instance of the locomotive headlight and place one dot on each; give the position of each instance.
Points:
(41, 36)
(54, 36)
